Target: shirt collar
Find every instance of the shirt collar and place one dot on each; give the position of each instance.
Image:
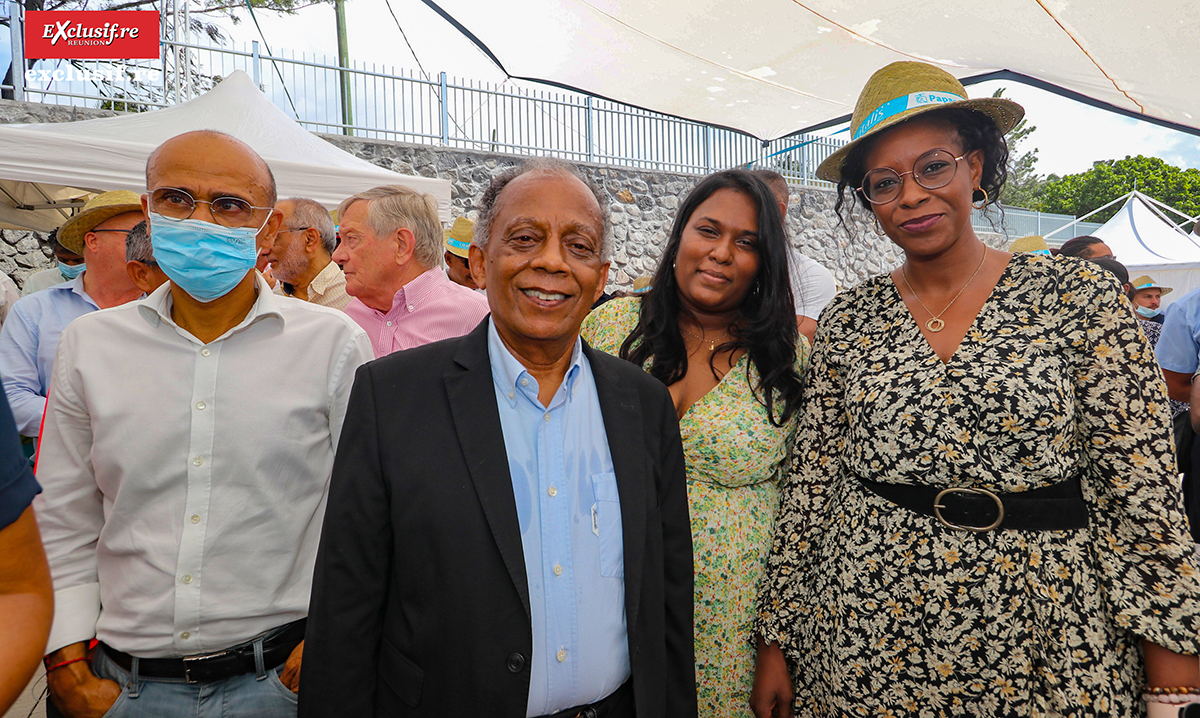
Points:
(324, 278)
(75, 286)
(419, 287)
(508, 372)
(156, 307)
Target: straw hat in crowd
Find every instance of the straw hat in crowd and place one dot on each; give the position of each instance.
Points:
(903, 90)
(1145, 282)
(457, 239)
(103, 206)
(1034, 244)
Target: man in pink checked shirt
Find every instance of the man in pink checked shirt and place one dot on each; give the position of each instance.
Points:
(391, 253)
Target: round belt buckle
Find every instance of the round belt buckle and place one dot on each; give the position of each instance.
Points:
(937, 509)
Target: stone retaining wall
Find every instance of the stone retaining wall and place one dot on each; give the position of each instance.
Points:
(642, 205)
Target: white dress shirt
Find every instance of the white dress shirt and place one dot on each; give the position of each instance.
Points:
(813, 286)
(185, 483)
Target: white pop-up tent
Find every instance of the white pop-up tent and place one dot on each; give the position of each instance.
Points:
(773, 67)
(48, 169)
(1147, 242)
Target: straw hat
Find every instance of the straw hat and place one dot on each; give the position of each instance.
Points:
(1033, 243)
(103, 206)
(1145, 282)
(457, 239)
(903, 90)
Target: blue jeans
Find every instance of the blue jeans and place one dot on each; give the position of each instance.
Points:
(252, 695)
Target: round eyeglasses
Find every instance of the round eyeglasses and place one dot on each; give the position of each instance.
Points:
(932, 170)
(176, 204)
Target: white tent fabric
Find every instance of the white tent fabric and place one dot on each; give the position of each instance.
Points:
(1148, 244)
(45, 163)
(772, 67)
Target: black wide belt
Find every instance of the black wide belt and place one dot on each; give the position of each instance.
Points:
(1051, 508)
(217, 666)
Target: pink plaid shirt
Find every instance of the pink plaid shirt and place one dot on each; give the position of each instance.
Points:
(427, 309)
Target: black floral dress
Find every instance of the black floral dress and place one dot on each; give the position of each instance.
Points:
(885, 612)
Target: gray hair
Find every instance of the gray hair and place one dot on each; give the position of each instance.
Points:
(137, 245)
(310, 213)
(546, 166)
(394, 206)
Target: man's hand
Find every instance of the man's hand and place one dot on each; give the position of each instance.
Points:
(772, 694)
(75, 690)
(290, 675)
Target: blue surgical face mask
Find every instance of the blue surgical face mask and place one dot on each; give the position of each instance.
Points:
(1147, 312)
(71, 271)
(206, 260)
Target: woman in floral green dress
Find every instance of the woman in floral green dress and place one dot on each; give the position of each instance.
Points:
(718, 328)
(982, 517)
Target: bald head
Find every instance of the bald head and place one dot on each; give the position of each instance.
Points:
(207, 157)
(777, 184)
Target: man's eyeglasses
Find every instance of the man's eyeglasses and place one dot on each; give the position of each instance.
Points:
(176, 204)
(932, 170)
(294, 229)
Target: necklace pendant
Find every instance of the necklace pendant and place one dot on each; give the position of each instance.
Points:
(935, 325)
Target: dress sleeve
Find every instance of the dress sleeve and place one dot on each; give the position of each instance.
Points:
(814, 474)
(1139, 532)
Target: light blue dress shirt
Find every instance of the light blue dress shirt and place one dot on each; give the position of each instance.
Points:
(1178, 347)
(28, 341)
(570, 518)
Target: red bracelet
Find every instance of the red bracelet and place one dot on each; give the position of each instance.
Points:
(65, 663)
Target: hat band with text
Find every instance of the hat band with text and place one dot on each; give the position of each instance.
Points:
(457, 243)
(902, 104)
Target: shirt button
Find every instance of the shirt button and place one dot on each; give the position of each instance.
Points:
(197, 461)
(389, 324)
(411, 307)
(546, 417)
(552, 491)
(185, 635)
(562, 655)
(524, 382)
(195, 518)
(200, 405)
(557, 572)
(512, 395)
(205, 352)
(187, 578)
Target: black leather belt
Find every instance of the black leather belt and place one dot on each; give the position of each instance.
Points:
(217, 666)
(1050, 508)
(617, 704)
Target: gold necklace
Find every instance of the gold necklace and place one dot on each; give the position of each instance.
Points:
(712, 343)
(936, 323)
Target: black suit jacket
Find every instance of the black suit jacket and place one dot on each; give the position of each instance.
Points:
(420, 603)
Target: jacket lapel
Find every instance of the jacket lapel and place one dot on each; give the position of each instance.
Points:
(619, 405)
(473, 404)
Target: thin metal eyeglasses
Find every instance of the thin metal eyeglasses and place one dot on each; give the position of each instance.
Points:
(932, 170)
(294, 229)
(177, 204)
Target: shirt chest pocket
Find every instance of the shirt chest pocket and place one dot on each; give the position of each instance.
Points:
(606, 524)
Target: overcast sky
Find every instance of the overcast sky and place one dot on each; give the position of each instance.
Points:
(1069, 137)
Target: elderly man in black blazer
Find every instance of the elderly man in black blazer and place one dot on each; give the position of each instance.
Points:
(507, 529)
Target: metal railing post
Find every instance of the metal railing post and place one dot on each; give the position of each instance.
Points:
(255, 63)
(16, 24)
(591, 152)
(442, 99)
(708, 149)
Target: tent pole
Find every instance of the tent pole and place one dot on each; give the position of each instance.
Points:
(16, 14)
(1077, 220)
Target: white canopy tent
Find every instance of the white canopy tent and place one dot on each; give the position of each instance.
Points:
(773, 67)
(1147, 242)
(47, 169)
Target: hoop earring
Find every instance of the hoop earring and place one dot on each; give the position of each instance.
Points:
(878, 228)
(985, 199)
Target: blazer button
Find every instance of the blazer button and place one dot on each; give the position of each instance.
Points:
(516, 662)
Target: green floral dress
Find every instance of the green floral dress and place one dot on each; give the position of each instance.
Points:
(885, 612)
(734, 457)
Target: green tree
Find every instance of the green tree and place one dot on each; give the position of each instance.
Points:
(1078, 194)
(1024, 186)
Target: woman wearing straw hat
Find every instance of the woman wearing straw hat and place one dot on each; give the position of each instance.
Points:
(981, 517)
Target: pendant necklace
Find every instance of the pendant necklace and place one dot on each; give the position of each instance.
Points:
(712, 343)
(936, 323)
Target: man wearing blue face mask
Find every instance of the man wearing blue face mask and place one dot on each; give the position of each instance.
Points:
(1146, 296)
(29, 337)
(177, 536)
(70, 265)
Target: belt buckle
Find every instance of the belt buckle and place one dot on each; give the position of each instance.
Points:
(937, 508)
(197, 663)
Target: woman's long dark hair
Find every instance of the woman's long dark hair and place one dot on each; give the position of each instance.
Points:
(768, 327)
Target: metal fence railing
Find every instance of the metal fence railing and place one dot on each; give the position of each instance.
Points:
(1015, 222)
